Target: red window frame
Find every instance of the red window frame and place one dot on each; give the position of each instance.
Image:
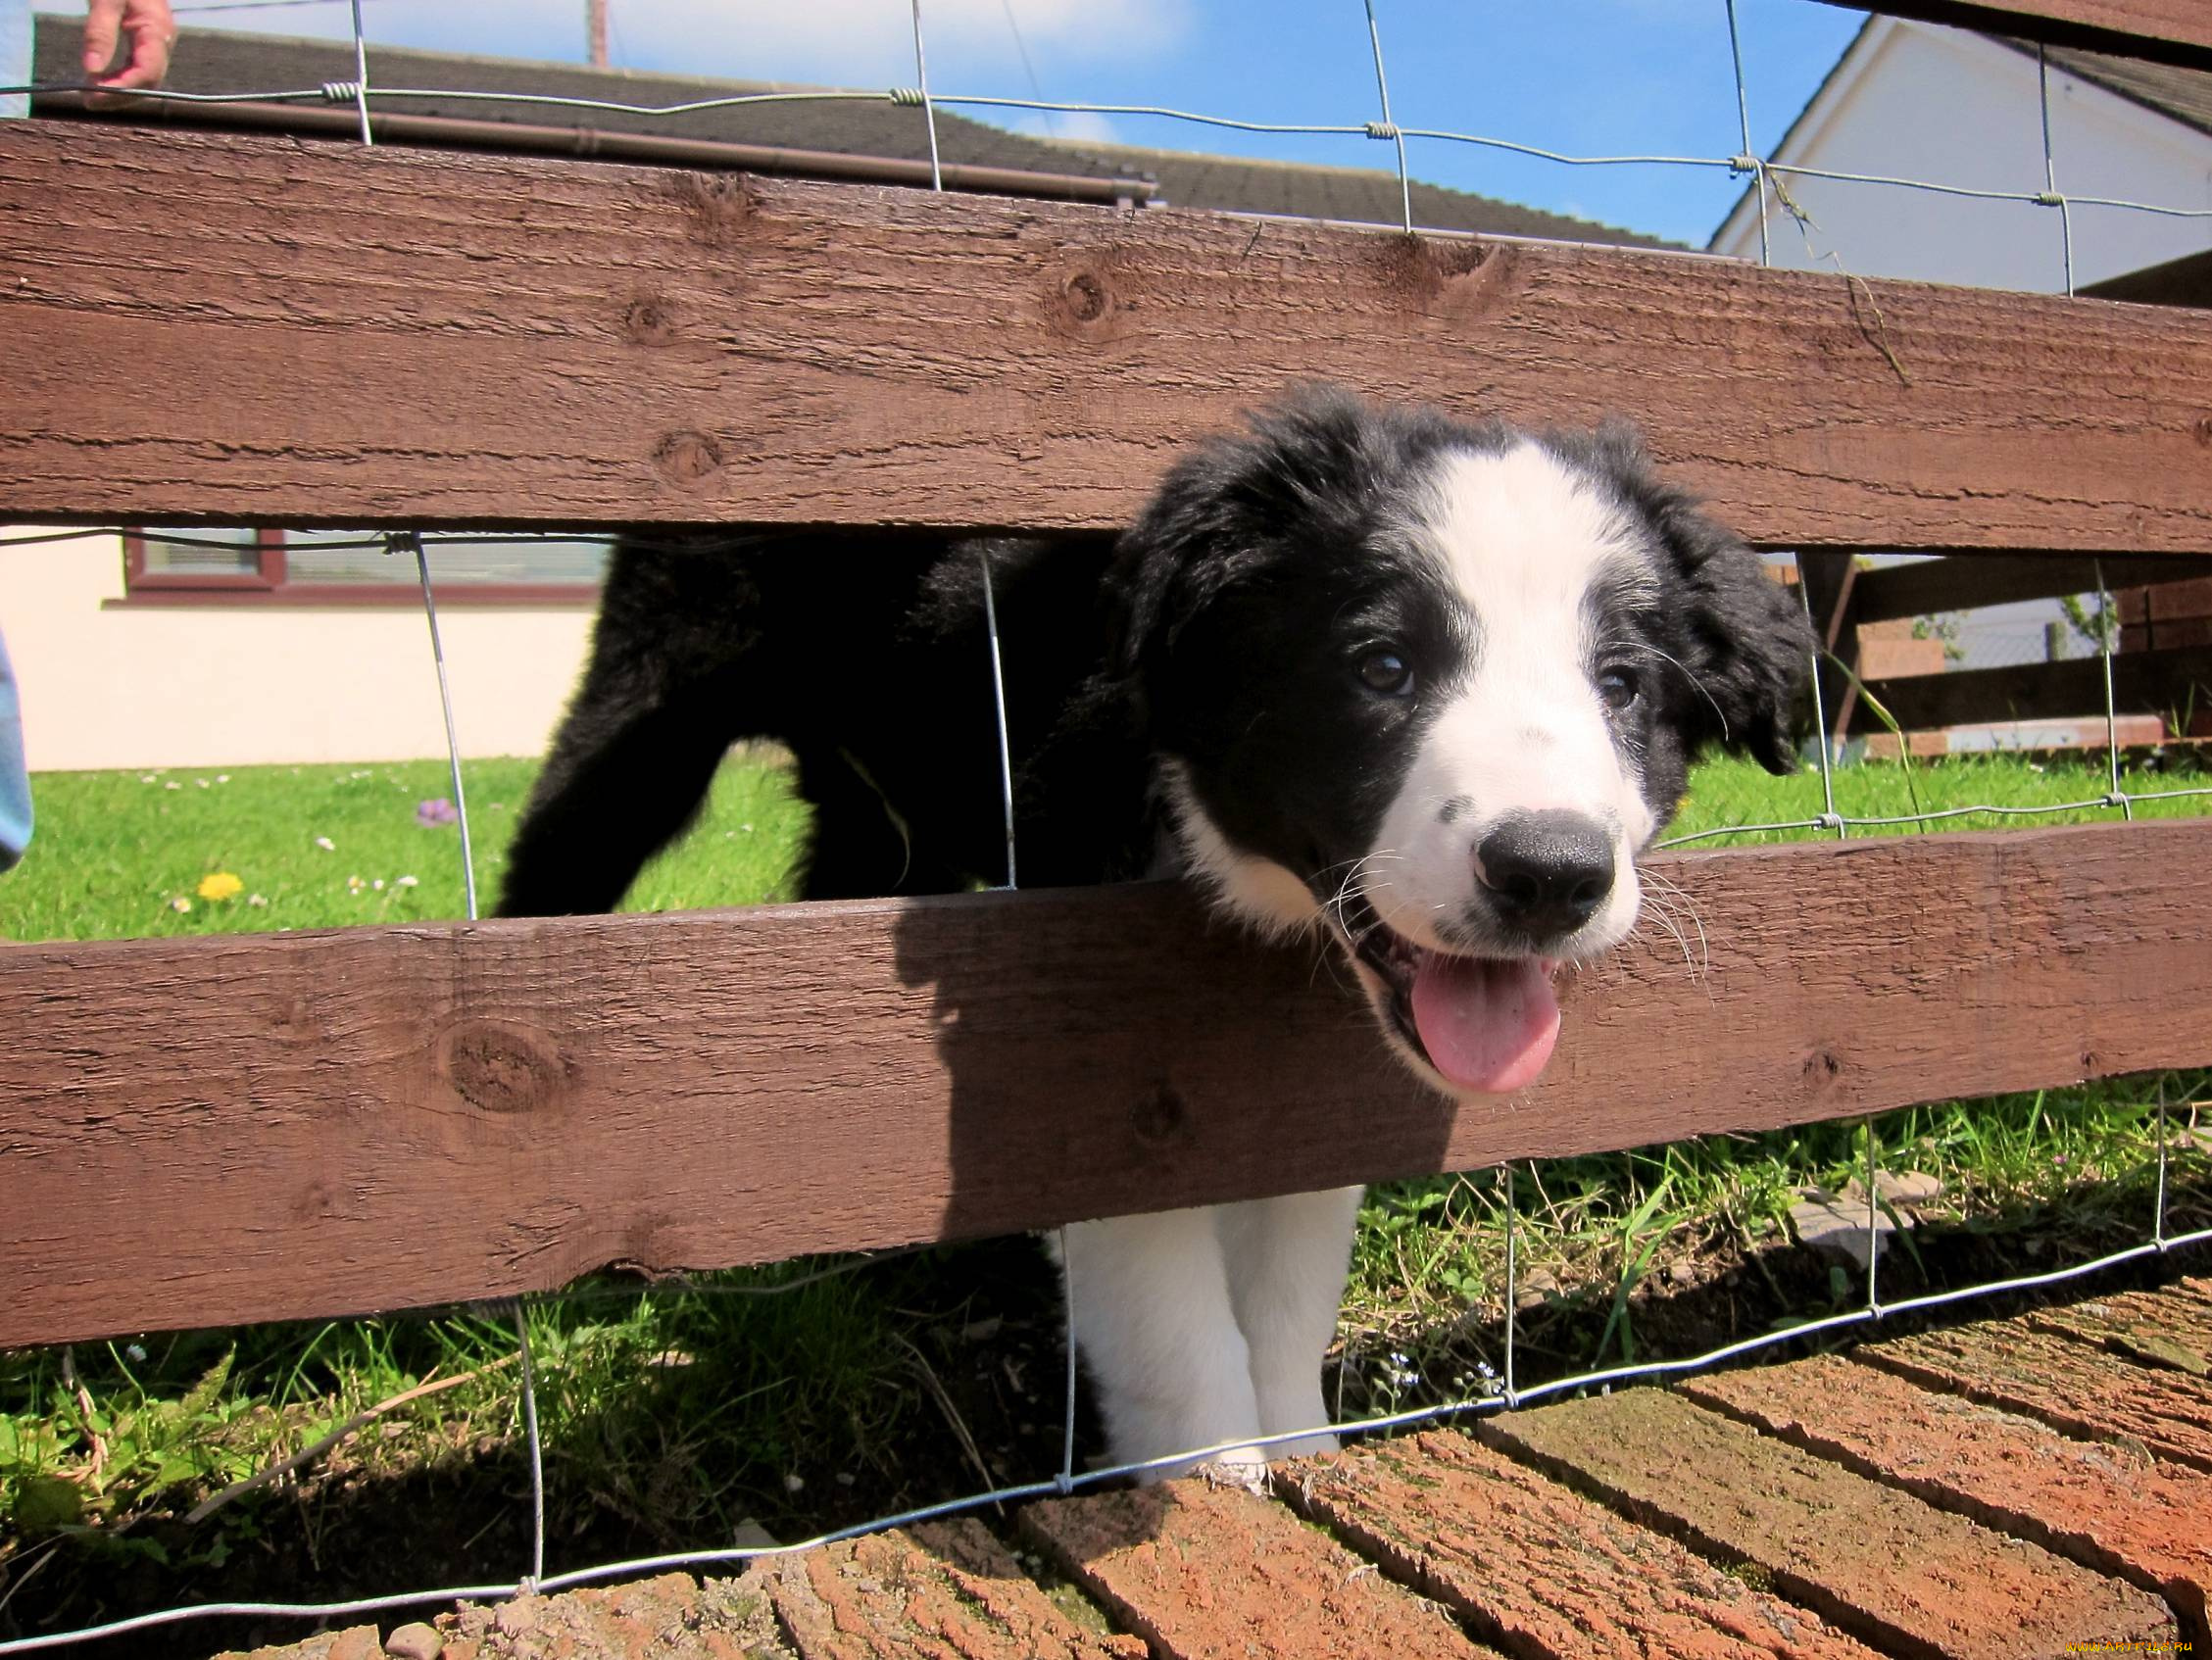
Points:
(270, 584)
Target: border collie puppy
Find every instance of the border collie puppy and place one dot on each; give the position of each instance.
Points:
(1424, 689)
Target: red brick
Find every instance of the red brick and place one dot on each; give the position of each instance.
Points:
(1880, 1563)
(2100, 1504)
(355, 1643)
(635, 1620)
(2068, 1385)
(2175, 601)
(2171, 1326)
(1542, 1571)
(947, 1590)
(1880, 659)
(2181, 631)
(1208, 1572)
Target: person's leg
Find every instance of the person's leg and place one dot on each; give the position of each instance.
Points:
(15, 781)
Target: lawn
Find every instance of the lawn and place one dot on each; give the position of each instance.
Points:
(124, 855)
(673, 1416)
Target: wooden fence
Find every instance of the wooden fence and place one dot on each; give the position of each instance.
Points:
(2163, 666)
(239, 329)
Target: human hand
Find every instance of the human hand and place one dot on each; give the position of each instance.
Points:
(152, 31)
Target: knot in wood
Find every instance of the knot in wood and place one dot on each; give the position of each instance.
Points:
(1162, 1119)
(1083, 304)
(649, 320)
(686, 457)
(500, 1069)
(1822, 1068)
(1086, 295)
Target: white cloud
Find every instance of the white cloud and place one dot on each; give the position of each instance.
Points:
(973, 45)
(1074, 126)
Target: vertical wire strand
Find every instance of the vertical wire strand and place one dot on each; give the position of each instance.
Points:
(2116, 796)
(1005, 800)
(537, 1449)
(1744, 121)
(999, 701)
(1873, 1225)
(2051, 193)
(928, 109)
(2158, 1204)
(361, 75)
(445, 702)
(1390, 124)
(1068, 1417)
(1513, 1283)
(1830, 818)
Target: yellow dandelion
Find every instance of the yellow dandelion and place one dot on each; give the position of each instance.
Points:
(180, 904)
(222, 885)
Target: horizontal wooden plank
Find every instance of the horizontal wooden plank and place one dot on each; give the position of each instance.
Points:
(2153, 682)
(222, 1130)
(2173, 32)
(408, 336)
(1991, 579)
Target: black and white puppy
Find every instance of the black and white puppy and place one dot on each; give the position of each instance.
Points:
(1426, 690)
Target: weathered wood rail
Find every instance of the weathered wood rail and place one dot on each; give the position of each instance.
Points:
(418, 337)
(224, 1129)
(205, 1132)
(2173, 31)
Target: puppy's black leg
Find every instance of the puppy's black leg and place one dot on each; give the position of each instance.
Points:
(661, 701)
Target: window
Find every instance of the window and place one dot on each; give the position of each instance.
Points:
(343, 568)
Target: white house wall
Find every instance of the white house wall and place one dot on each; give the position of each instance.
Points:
(1922, 102)
(107, 686)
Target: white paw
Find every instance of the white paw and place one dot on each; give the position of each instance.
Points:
(1237, 1466)
(1240, 1467)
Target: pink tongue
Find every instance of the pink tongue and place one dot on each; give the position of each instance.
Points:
(1487, 1026)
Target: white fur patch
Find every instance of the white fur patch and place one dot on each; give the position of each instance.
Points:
(1207, 1327)
(1257, 891)
(1523, 540)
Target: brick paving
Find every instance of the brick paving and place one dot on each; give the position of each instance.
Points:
(2079, 1388)
(1209, 1572)
(2105, 1506)
(1538, 1569)
(2002, 1489)
(946, 1588)
(1876, 1560)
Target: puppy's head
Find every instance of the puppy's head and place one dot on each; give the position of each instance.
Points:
(1435, 688)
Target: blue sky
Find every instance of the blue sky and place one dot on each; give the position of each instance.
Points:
(1584, 76)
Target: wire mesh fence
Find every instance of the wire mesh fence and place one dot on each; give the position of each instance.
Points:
(1503, 1387)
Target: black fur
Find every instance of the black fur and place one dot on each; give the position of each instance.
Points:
(1218, 634)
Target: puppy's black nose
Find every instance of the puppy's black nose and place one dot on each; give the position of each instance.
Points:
(1546, 872)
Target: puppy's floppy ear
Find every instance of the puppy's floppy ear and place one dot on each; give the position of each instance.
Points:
(1214, 523)
(1746, 643)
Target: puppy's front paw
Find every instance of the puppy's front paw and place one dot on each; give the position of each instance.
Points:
(1240, 1467)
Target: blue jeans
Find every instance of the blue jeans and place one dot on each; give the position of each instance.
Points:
(15, 782)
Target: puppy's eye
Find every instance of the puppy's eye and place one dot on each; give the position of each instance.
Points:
(1619, 686)
(1384, 670)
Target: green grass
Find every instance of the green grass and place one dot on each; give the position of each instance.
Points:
(671, 1416)
(1728, 791)
(123, 854)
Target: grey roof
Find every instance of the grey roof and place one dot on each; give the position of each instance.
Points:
(222, 61)
(2185, 281)
(1356, 195)
(2184, 95)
